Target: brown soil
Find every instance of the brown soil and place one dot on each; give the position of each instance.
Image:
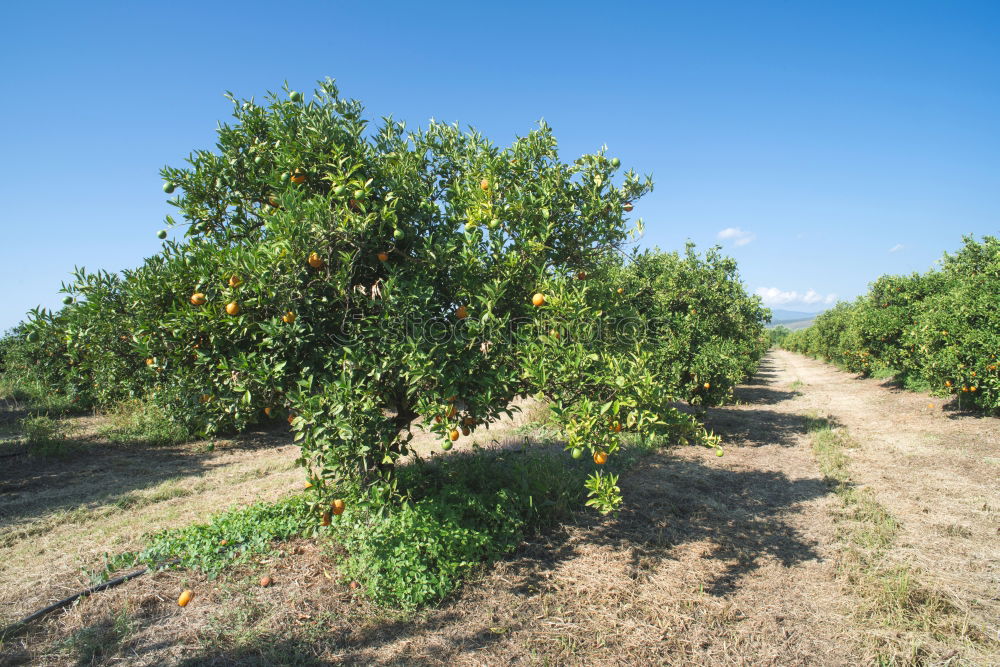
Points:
(729, 560)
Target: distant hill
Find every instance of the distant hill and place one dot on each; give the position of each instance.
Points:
(791, 319)
(793, 325)
(777, 315)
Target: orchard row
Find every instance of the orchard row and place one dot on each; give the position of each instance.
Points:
(938, 330)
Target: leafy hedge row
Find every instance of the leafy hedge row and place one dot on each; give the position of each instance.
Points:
(938, 330)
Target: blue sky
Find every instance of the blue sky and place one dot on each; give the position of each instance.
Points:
(827, 142)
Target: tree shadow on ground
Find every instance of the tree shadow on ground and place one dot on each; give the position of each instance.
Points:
(760, 427)
(739, 518)
(758, 395)
(88, 474)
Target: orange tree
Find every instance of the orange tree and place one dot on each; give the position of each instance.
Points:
(938, 331)
(625, 342)
(707, 331)
(358, 280)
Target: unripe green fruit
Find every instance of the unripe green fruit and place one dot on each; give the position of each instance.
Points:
(446, 445)
(162, 234)
(399, 235)
(359, 194)
(285, 176)
(67, 300)
(295, 96)
(168, 187)
(615, 162)
(577, 453)
(258, 159)
(340, 190)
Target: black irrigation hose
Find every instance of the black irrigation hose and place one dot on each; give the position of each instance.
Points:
(72, 598)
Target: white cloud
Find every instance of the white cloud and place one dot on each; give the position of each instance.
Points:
(773, 296)
(898, 246)
(739, 236)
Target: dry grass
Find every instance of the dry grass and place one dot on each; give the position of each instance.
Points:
(761, 557)
(909, 622)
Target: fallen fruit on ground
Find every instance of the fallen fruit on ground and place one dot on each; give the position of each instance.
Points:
(185, 598)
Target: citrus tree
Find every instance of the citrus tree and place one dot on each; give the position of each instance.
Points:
(939, 330)
(364, 281)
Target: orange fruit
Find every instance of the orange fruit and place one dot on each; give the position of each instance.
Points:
(291, 418)
(288, 317)
(462, 312)
(947, 383)
(538, 300)
(198, 299)
(267, 411)
(972, 388)
(453, 434)
(265, 581)
(466, 430)
(338, 506)
(707, 385)
(616, 426)
(437, 419)
(383, 256)
(627, 207)
(554, 334)
(582, 275)
(484, 184)
(233, 308)
(234, 281)
(316, 261)
(149, 361)
(185, 598)
(621, 290)
(600, 458)
(298, 176)
(325, 519)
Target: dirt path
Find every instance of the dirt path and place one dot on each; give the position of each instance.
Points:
(935, 470)
(732, 560)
